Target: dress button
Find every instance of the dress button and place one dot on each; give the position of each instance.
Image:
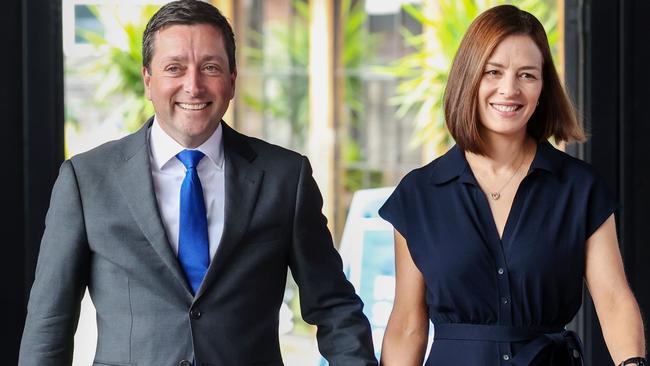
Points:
(500, 271)
(576, 353)
(195, 313)
(506, 357)
(185, 363)
(505, 300)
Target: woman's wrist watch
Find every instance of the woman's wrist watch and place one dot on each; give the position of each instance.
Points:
(638, 361)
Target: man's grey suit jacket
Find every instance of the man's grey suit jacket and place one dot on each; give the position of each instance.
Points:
(104, 231)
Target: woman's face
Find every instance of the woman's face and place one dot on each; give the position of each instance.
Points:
(510, 86)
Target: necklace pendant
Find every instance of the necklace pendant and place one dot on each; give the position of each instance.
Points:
(495, 195)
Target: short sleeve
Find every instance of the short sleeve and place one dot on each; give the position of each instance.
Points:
(394, 211)
(600, 206)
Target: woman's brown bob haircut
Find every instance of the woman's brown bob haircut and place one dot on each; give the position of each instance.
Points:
(554, 116)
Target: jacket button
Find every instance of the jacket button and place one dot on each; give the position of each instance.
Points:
(195, 313)
(185, 363)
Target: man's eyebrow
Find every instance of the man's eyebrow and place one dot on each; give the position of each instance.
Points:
(213, 58)
(183, 58)
(173, 58)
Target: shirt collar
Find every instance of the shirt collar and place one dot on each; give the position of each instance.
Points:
(164, 148)
(453, 164)
(547, 158)
(450, 166)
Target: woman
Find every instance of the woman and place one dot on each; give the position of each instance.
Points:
(493, 239)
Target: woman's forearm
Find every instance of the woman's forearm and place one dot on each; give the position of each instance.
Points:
(404, 345)
(622, 326)
(618, 311)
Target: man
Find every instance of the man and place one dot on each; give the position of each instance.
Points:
(184, 230)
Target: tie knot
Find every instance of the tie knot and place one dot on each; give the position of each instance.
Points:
(190, 158)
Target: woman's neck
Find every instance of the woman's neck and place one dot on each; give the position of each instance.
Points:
(502, 153)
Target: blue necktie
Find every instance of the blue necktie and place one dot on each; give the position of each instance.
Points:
(193, 249)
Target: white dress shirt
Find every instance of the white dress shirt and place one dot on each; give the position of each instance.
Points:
(168, 173)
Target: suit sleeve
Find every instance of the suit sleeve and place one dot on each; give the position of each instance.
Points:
(327, 299)
(60, 281)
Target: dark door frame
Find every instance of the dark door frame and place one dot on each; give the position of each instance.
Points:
(607, 47)
(31, 106)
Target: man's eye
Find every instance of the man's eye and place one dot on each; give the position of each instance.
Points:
(211, 68)
(173, 69)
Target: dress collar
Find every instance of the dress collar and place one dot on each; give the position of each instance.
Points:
(453, 164)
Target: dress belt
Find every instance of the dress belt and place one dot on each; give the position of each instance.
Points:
(565, 345)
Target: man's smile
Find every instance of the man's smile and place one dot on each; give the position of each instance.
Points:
(193, 106)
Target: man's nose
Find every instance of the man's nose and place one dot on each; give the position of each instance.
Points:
(193, 83)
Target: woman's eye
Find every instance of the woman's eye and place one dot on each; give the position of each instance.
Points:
(528, 76)
(491, 72)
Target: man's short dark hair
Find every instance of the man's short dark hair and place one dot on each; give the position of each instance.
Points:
(187, 12)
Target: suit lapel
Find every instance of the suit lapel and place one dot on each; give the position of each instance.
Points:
(242, 183)
(136, 183)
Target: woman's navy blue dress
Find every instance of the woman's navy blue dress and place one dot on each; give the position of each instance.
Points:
(501, 301)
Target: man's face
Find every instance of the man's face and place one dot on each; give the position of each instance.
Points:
(190, 82)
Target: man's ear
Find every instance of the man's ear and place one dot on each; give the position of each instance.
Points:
(146, 79)
(233, 78)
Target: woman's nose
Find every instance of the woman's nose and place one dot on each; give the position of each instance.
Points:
(508, 86)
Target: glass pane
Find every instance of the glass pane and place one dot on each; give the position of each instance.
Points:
(272, 78)
(86, 21)
(104, 94)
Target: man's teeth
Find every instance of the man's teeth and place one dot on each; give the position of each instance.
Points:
(193, 107)
(505, 108)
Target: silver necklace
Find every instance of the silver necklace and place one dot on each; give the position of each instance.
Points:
(495, 195)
